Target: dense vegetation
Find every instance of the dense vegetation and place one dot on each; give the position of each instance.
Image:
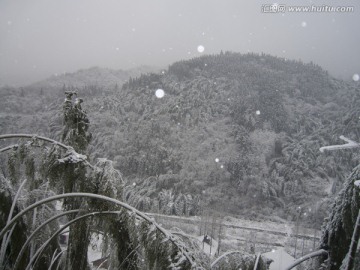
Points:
(233, 132)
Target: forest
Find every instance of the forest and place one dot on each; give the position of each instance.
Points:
(235, 133)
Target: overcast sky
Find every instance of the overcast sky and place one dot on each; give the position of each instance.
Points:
(39, 38)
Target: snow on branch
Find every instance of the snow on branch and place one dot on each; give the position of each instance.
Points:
(71, 155)
(348, 145)
(31, 136)
(9, 148)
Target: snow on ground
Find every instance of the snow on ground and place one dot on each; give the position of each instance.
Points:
(281, 259)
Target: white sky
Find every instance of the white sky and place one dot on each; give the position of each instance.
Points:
(39, 38)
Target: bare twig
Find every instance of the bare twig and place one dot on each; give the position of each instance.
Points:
(348, 145)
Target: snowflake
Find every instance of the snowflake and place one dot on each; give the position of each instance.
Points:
(159, 93)
(200, 49)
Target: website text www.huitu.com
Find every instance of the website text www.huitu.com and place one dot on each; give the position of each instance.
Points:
(281, 8)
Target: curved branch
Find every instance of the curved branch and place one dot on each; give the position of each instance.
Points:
(66, 147)
(56, 257)
(9, 136)
(319, 252)
(257, 261)
(9, 148)
(36, 231)
(8, 236)
(223, 256)
(101, 197)
(55, 234)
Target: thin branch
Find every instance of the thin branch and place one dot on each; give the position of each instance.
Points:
(223, 256)
(350, 144)
(257, 261)
(56, 257)
(36, 231)
(134, 250)
(35, 257)
(72, 156)
(8, 236)
(319, 252)
(168, 235)
(9, 148)
(9, 136)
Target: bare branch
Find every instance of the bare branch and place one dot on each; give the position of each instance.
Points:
(348, 145)
(9, 136)
(319, 252)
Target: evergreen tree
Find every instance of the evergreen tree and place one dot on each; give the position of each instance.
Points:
(76, 135)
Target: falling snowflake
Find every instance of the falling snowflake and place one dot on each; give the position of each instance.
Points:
(257, 112)
(217, 160)
(134, 184)
(222, 166)
(200, 48)
(356, 77)
(303, 24)
(117, 48)
(159, 93)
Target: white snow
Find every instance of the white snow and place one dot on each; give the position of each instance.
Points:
(159, 93)
(303, 24)
(281, 259)
(200, 49)
(217, 160)
(356, 77)
(257, 112)
(349, 144)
